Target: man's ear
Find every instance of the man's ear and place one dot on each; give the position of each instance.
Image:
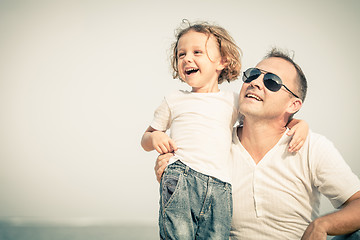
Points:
(294, 106)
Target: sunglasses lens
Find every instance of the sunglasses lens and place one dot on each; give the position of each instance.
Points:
(272, 82)
(251, 74)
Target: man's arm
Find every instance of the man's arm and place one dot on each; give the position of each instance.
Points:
(346, 220)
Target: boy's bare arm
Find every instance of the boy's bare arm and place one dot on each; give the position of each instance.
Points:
(158, 140)
(146, 141)
(300, 130)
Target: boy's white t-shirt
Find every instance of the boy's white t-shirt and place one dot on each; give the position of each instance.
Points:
(201, 125)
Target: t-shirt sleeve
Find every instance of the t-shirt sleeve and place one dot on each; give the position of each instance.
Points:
(331, 174)
(162, 116)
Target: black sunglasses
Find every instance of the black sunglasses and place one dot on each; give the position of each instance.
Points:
(271, 81)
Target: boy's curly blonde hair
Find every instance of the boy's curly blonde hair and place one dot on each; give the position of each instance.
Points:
(229, 51)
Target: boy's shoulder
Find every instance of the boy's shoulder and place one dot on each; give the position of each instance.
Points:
(176, 94)
(185, 94)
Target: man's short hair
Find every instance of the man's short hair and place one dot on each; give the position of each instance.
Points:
(300, 80)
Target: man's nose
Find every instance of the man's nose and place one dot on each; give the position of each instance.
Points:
(258, 82)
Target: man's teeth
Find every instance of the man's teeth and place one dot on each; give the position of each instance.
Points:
(253, 96)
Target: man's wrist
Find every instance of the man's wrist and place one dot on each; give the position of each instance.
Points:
(321, 225)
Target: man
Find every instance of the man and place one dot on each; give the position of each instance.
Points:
(276, 193)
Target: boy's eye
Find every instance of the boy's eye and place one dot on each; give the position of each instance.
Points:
(181, 55)
(197, 52)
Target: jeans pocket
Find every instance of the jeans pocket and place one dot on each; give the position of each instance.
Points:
(169, 185)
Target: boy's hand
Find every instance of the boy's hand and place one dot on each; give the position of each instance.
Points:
(160, 165)
(299, 129)
(162, 143)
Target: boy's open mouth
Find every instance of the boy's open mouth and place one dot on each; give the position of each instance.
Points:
(191, 70)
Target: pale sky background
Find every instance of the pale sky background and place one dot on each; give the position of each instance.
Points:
(79, 81)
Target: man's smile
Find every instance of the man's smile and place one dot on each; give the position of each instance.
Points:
(254, 96)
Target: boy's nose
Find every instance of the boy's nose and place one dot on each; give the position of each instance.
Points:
(188, 58)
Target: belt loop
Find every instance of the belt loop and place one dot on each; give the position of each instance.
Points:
(186, 170)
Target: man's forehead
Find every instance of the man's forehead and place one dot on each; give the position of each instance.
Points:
(275, 62)
(278, 66)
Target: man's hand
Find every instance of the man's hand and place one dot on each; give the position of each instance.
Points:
(314, 231)
(344, 221)
(160, 164)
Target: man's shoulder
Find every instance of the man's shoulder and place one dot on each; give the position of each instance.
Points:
(317, 139)
(316, 144)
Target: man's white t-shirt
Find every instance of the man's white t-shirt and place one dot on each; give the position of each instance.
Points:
(280, 196)
(201, 125)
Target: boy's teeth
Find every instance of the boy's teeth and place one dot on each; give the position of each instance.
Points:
(191, 70)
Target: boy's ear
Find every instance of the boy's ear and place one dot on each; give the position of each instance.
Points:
(295, 105)
(223, 64)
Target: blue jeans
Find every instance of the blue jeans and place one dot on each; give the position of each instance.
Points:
(352, 236)
(193, 205)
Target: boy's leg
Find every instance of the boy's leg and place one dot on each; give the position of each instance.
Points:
(216, 215)
(175, 218)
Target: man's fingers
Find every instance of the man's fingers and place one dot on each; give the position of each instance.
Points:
(161, 163)
(158, 174)
(160, 171)
(160, 166)
(165, 156)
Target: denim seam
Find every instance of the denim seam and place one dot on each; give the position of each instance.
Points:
(207, 194)
(165, 206)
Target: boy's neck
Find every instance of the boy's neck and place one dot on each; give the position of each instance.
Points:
(214, 89)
